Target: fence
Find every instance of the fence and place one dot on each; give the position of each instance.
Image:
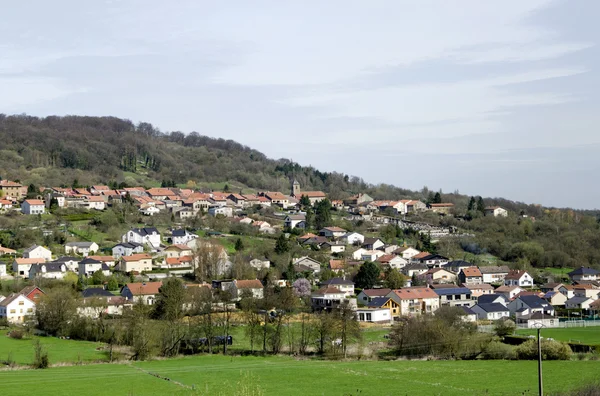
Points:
(565, 324)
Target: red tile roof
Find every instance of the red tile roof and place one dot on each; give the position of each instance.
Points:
(248, 284)
(145, 288)
(137, 257)
(410, 293)
(471, 271)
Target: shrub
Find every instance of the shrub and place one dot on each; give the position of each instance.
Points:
(504, 327)
(496, 350)
(17, 334)
(40, 360)
(551, 350)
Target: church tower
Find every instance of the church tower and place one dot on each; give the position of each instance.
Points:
(296, 189)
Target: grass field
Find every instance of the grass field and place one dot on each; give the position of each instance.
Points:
(585, 335)
(59, 351)
(222, 375)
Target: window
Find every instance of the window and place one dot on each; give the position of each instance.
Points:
(12, 311)
(368, 317)
(21, 302)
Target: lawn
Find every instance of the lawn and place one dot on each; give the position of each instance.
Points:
(585, 335)
(225, 375)
(59, 351)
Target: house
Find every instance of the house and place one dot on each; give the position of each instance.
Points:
(33, 293)
(555, 298)
(414, 270)
(258, 264)
(277, 198)
(2, 269)
(225, 211)
(518, 278)
(177, 251)
(454, 296)
(329, 298)
(38, 252)
(578, 303)
(337, 266)
(5, 204)
(393, 304)
(538, 320)
(388, 248)
(144, 292)
(374, 315)
(308, 262)
(146, 236)
(127, 249)
(96, 292)
(33, 207)
(549, 287)
(358, 199)
(495, 211)
(470, 276)
(440, 275)
(332, 232)
(11, 189)
(524, 306)
(253, 288)
(333, 247)
(344, 285)
(372, 243)
(367, 295)
(313, 196)
(108, 260)
(407, 252)
(48, 271)
(433, 260)
(295, 221)
(109, 305)
(416, 300)
(456, 265)
(352, 238)
(88, 266)
(567, 290)
(491, 311)
(584, 274)
(179, 262)
(494, 274)
(510, 292)
(72, 263)
(392, 261)
(16, 308)
(586, 290)
(82, 248)
(480, 289)
(140, 262)
(21, 266)
(493, 298)
(442, 208)
(4, 251)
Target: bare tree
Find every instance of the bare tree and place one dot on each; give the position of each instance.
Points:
(209, 261)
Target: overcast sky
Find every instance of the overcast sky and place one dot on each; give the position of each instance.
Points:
(485, 97)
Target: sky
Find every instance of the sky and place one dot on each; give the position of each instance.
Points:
(497, 99)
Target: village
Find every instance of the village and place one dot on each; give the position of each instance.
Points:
(485, 293)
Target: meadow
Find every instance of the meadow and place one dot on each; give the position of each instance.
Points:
(584, 335)
(59, 350)
(227, 375)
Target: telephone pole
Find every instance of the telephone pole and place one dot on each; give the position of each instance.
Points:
(540, 383)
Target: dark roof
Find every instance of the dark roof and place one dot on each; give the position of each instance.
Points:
(337, 281)
(377, 302)
(576, 300)
(131, 245)
(541, 315)
(178, 233)
(493, 307)
(490, 298)
(584, 271)
(96, 292)
(415, 267)
(50, 267)
(468, 311)
(64, 259)
(79, 244)
(534, 301)
(145, 230)
(370, 241)
(89, 260)
(434, 257)
(451, 291)
(458, 263)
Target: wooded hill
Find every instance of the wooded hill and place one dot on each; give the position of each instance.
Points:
(54, 151)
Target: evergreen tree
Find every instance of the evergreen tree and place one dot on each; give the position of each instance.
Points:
(367, 276)
(239, 245)
(472, 204)
(282, 245)
(480, 205)
(323, 214)
(305, 202)
(437, 198)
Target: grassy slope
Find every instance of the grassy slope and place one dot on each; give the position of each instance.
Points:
(218, 375)
(586, 335)
(59, 351)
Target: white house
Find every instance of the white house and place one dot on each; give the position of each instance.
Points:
(374, 315)
(177, 251)
(578, 303)
(524, 306)
(295, 221)
(38, 252)
(353, 238)
(225, 211)
(372, 243)
(518, 278)
(308, 262)
(82, 248)
(72, 263)
(127, 249)
(343, 285)
(33, 206)
(332, 232)
(144, 292)
(407, 252)
(48, 271)
(146, 236)
(260, 264)
(494, 274)
(21, 266)
(329, 298)
(371, 255)
(16, 307)
(88, 266)
(584, 274)
(2, 269)
(252, 287)
(492, 311)
(495, 211)
(181, 237)
(333, 247)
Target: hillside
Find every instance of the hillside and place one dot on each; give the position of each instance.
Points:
(99, 150)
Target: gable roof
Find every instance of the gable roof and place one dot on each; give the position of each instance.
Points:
(144, 288)
(137, 257)
(34, 202)
(33, 247)
(533, 301)
(410, 293)
(515, 274)
(30, 261)
(452, 290)
(584, 271)
(327, 290)
(337, 281)
(377, 292)
(481, 286)
(145, 231)
(336, 264)
(11, 298)
(471, 271)
(378, 302)
(248, 284)
(80, 244)
(490, 298)
(96, 292)
(493, 307)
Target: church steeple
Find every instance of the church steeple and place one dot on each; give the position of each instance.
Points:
(295, 188)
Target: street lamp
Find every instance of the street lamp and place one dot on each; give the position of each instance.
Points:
(538, 326)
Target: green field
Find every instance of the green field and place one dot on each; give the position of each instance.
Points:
(222, 375)
(59, 351)
(584, 335)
